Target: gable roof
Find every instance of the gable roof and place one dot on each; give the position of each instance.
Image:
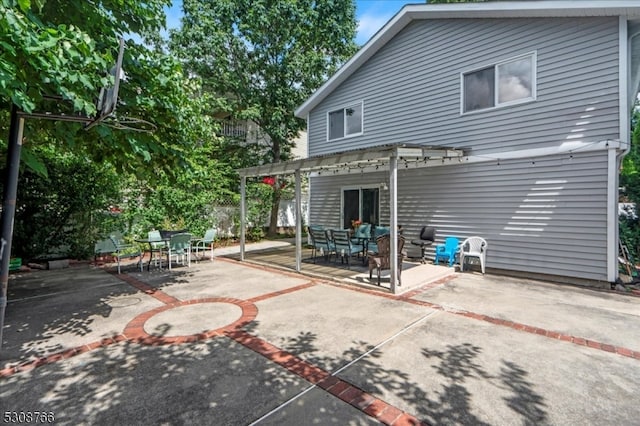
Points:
(521, 9)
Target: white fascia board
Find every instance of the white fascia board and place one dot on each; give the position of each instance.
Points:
(379, 39)
(411, 12)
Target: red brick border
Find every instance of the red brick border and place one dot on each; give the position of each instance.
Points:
(343, 390)
(134, 330)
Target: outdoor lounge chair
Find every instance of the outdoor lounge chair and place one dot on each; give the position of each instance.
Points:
(382, 260)
(427, 237)
(473, 247)
(447, 251)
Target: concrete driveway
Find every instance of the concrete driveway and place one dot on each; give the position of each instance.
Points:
(229, 343)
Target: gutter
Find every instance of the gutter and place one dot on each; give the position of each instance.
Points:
(615, 163)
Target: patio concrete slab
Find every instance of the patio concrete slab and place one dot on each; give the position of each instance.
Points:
(230, 343)
(414, 275)
(329, 326)
(219, 278)
(214, 382)
(449, 370)
(589, 313)
(51, 311)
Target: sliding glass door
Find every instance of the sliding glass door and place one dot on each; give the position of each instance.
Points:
(360, 204)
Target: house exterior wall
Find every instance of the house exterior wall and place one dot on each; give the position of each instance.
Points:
(411, 87)
(544, 214)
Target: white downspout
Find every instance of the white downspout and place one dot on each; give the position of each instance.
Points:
(615, 159)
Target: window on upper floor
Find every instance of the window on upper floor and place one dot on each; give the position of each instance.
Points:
(506, 83)
(344, 122)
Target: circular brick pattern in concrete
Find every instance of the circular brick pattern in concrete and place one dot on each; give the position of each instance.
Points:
(190, 321)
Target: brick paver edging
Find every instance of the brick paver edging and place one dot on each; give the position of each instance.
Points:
(408, 297)
(343, 390)
(134, 330)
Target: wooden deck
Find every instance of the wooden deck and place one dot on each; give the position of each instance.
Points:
(414, 274)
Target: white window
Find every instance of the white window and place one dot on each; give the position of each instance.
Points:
(345, 122)
(506, 83)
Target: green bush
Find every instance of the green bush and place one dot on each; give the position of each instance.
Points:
(56, 214)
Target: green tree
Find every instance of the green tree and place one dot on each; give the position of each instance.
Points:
(265, 57)
(63, 48)
(53, 58)
(630, 183)
(63, 212)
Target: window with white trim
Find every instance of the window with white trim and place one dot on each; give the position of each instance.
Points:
(506, 83)
(345, 122)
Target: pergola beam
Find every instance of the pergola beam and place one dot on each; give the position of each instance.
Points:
(380, 158)
(354, 158)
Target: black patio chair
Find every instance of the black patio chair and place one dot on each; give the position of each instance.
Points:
(427, 237)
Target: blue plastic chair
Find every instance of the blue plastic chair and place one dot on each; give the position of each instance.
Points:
(447, 251)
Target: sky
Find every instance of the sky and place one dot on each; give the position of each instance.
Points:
(371, 15)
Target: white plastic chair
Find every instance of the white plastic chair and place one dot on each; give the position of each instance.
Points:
(473, 247)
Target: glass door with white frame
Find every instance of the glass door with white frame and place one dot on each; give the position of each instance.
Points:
(360, 204)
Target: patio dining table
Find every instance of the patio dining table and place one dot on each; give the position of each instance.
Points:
(151, 242)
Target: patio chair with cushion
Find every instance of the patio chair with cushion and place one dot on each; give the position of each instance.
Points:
(362, 235)
(382, 259)
(202, 244)
(378, 231)
(427, 237)
(447, 251)
(179, 247)
(473, 247)
(320, 243)
(343, 247)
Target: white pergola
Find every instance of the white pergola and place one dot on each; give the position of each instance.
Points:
(372, 159)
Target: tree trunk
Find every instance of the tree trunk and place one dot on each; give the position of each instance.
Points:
(275, 205)
(275, 200)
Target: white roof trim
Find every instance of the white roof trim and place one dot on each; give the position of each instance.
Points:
(411, 12)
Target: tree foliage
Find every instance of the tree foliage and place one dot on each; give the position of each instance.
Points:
(63, 48)
(63, 212)
(630, 183)
(265, 57)
(54, 55)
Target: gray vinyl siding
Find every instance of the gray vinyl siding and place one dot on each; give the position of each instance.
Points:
(411, 86)
(543, 216)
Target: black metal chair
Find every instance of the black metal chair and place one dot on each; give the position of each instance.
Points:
(427, 237)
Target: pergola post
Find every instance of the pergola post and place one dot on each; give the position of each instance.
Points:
(298, 221)
(393, 212)
(243, 213)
